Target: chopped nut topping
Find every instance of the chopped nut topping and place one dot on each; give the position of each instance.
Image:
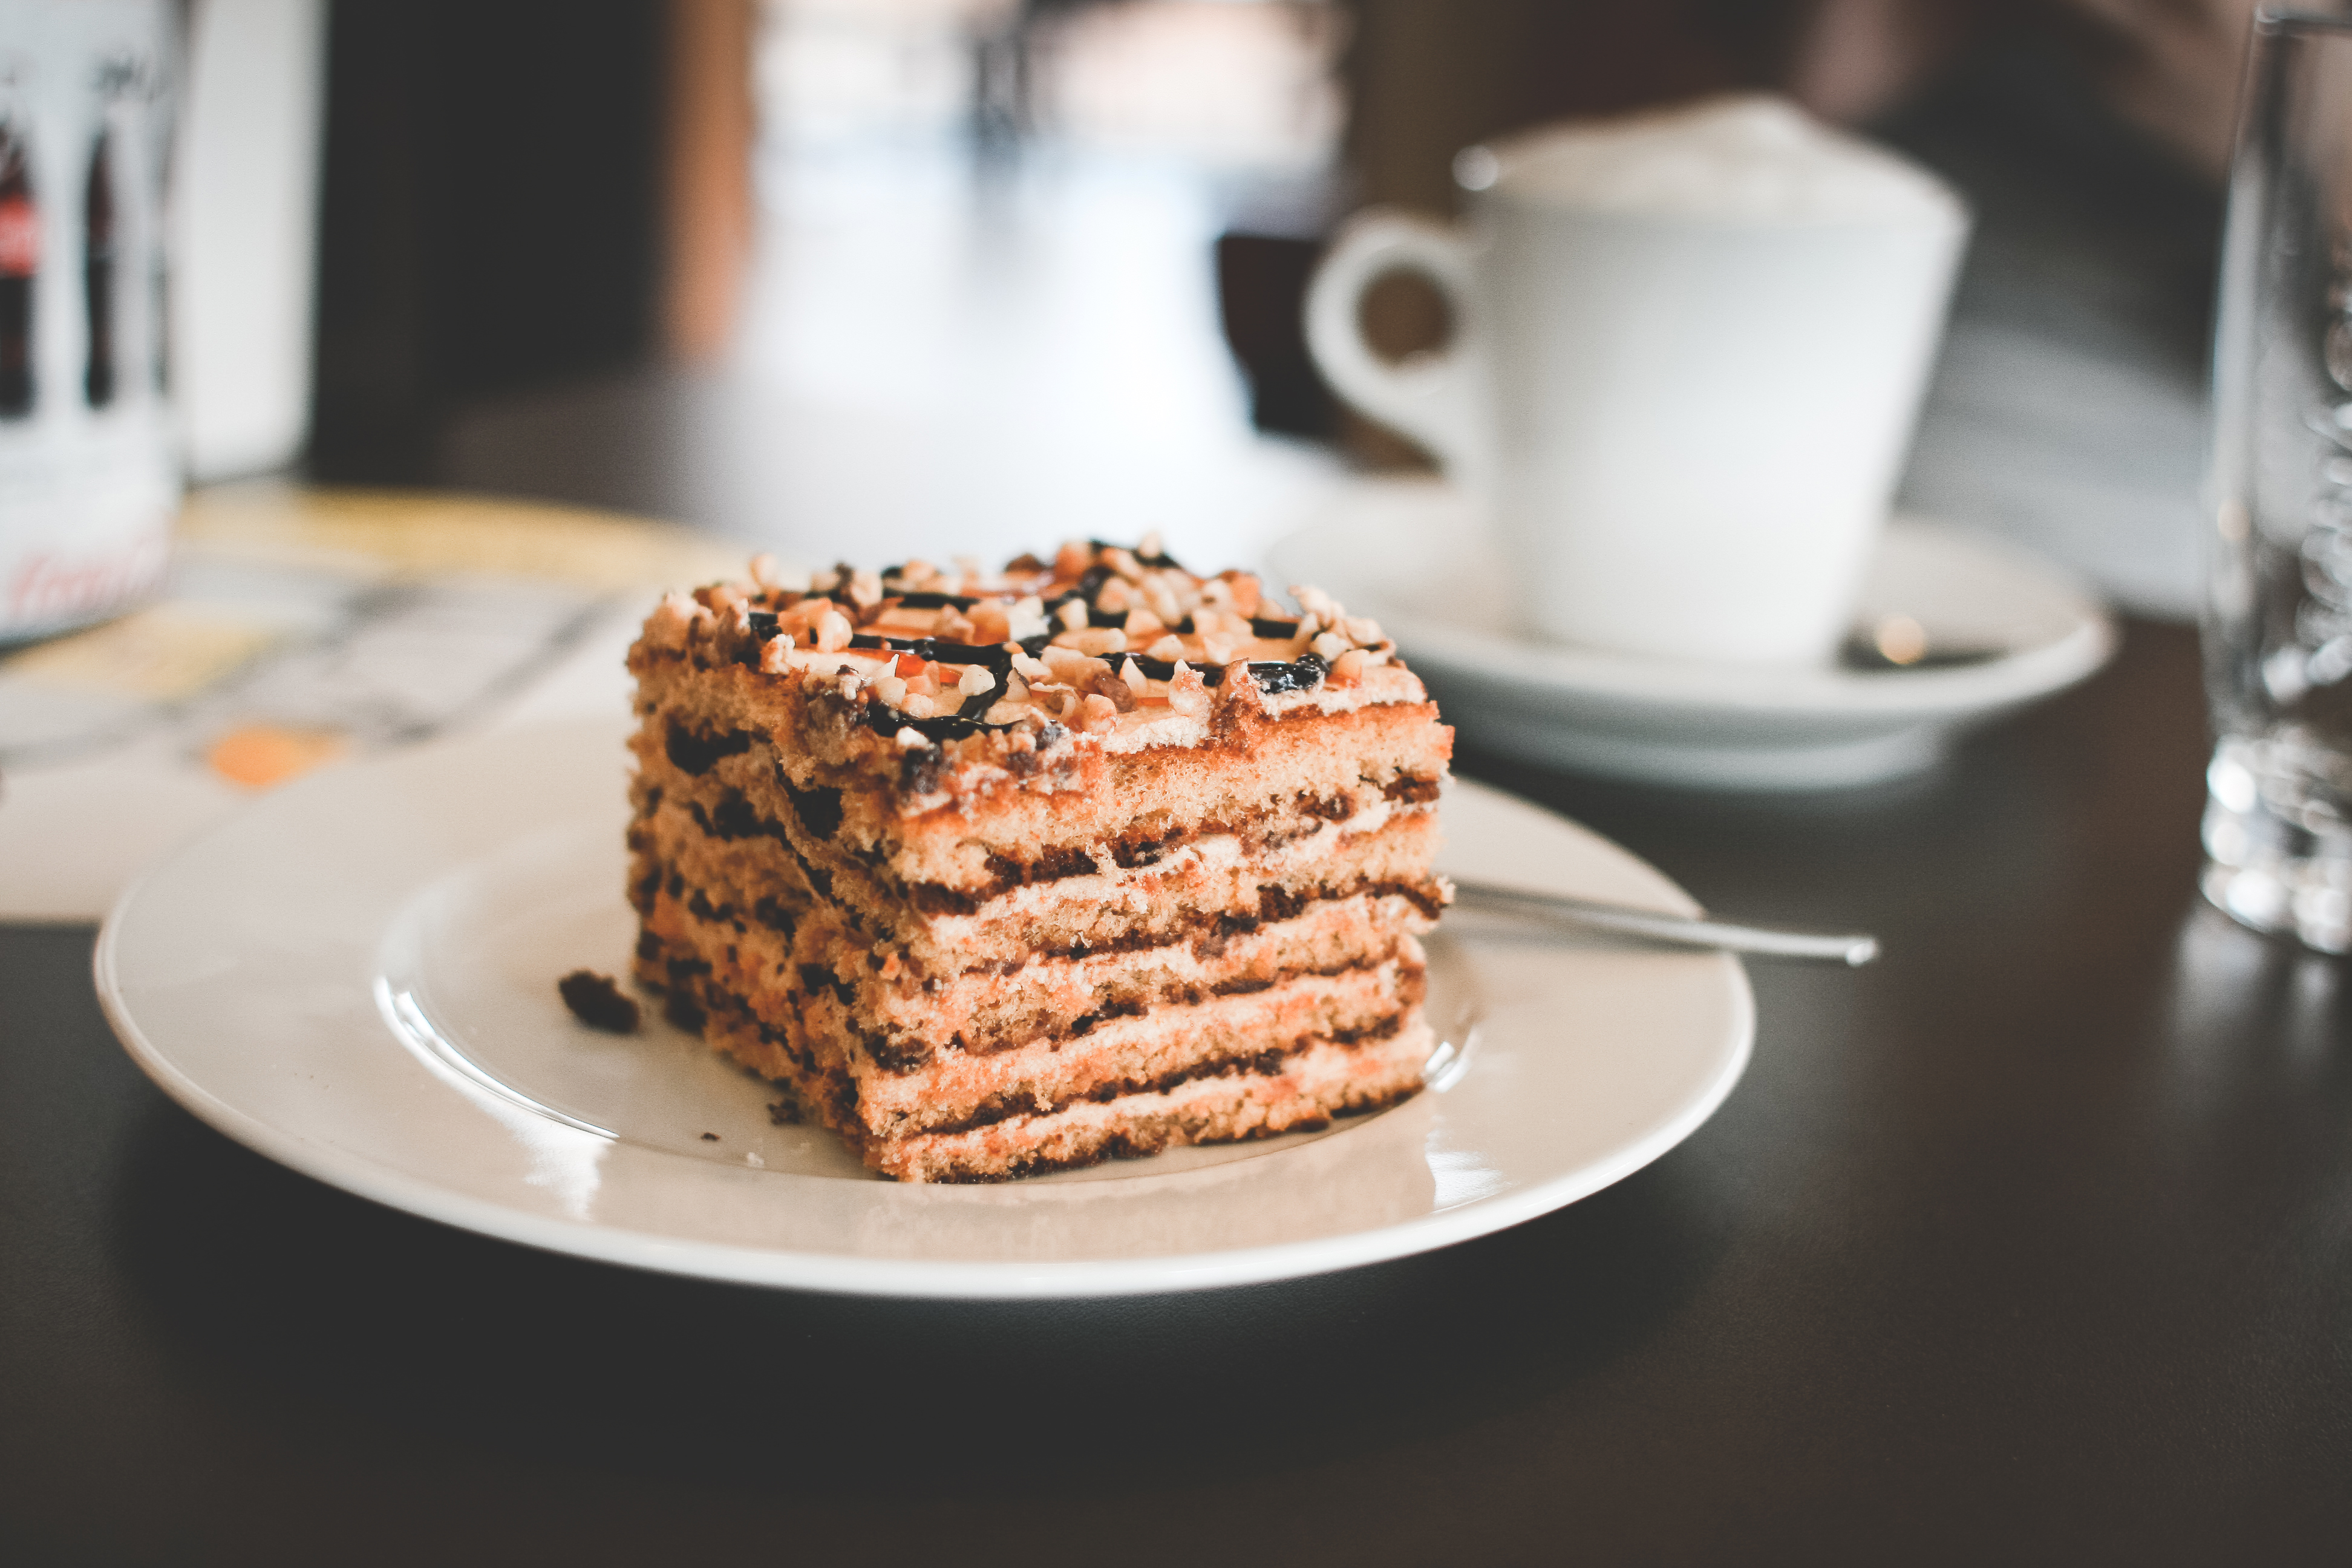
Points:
(671, 618)
(1070, 666)
(1084, 675)
(1231, 624)
(1093, 640)
(990, 624)
(1120, 695)
(1025, 619)
(1187, 694)
(1149, 545)
(910, 737)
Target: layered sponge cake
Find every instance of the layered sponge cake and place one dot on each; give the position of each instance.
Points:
(1003, 872)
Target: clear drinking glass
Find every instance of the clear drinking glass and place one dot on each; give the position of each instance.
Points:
(2278, 618)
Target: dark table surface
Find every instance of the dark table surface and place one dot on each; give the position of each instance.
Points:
(2033, 1242)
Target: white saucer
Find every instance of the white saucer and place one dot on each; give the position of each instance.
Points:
(1411, 555)
(356, 977)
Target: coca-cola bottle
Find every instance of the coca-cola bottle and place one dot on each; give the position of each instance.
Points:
(88, 494)
(97, 226)
(20, 262)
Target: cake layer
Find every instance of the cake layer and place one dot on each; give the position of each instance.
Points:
(943, 1081)
(832, 977)
(1327, 1081)
(752, 806)
(1213, 884)
(1267, 772)
(1294, 1087)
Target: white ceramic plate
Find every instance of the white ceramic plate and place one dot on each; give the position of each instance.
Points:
(356, 977)
(1412, 553)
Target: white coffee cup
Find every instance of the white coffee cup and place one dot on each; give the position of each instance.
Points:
(1687, 352)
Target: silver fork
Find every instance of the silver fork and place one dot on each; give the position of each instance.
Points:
(1685, 930)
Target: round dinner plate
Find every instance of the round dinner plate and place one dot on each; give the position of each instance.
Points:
(356, 977)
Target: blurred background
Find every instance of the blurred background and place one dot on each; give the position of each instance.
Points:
(872, 277)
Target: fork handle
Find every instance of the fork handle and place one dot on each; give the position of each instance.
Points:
(1683, 931)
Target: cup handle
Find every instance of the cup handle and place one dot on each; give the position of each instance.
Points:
(1431, 397)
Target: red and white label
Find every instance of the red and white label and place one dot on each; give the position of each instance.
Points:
(48, 589)
(20, 239)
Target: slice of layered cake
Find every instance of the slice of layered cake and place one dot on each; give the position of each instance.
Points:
(1005, 872)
